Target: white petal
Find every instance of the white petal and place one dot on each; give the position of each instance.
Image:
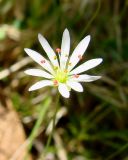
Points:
(51, 54)
(75, 86)
(79, 51)
(86, 78)
(41, 84)
(86, 66)
(39, 59)
(63, 89)
(38, 73)
(65, 48)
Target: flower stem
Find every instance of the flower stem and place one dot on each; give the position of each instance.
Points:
(35, 130)
(53, 128)
(117, 152)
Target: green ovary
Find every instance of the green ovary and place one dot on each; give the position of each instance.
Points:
(61, 75)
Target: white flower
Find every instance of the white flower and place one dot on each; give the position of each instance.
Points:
(60, 71)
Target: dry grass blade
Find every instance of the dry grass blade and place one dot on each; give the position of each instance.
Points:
(15, 67)
(61, 152)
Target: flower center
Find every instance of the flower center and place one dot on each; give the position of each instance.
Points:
(61, 75)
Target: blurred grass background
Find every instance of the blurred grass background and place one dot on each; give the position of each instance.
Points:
(94, 125)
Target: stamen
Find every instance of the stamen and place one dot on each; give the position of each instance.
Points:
(58, 50)
(66, 71)
(66, 55)
(55, 67)
(55, 82)
(55, 57)
(75, 75)
(69, 63)
(43, 61)
(80, 57)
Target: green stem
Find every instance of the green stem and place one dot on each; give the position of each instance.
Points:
(92, 19)
(35, 130)
(53, 128)
(117, 152)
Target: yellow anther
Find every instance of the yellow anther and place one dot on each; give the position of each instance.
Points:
(55, 67)
(55, 57)
(66, 71)
(69, 63)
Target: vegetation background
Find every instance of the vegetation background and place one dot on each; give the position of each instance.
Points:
(92, 125)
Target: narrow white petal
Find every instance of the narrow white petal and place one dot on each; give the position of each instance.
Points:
(75, 86)
(86, 66)
(39, 59)
(47, 48)
(86, 78)
(65, 49)
(63, 89)
(78, 52)
(38, 73)
(41, 84)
